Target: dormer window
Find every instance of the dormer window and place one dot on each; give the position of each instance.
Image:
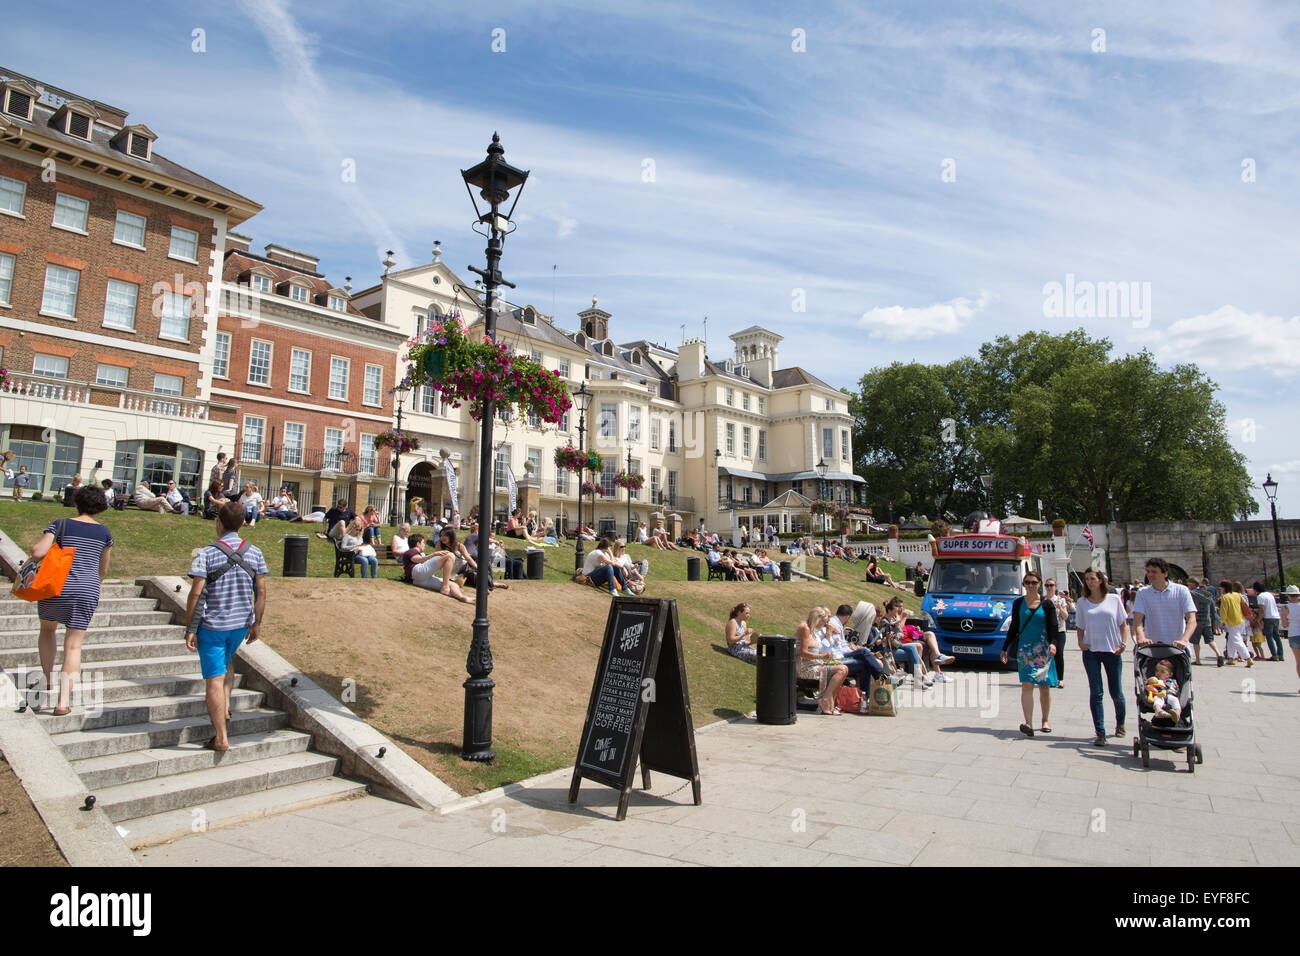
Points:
(75, 118)
(136, 141)
(338, 303)
(18, 101)
(259, 283)
(607, 348)
(530, 317)
(298, 293)
(139, 146)
(78, 125)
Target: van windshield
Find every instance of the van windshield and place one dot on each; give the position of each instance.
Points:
(975, 577)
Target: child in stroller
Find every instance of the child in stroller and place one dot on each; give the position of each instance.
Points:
(1162, 674)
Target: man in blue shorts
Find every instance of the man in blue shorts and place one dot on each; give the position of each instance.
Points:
(227, 600)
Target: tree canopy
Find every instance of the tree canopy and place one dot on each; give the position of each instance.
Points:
(1052, 418)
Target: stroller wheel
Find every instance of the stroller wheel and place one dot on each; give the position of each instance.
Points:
(1137, 748)
(1200, 757)
(1146, 755)
(1191, 760)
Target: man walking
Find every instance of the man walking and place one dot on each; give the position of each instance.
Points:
(227, 601)
(1163, 611)
(1272, 620)
(1205, 609)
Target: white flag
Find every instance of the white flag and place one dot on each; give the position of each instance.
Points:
(510, 483)
(451, 485)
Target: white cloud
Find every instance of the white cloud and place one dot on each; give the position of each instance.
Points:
(1233, 340)
(897, 322)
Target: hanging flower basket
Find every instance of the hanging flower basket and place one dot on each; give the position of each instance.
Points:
(400, 442)
(4, 376)
(573, 459)
(467, 372)
(592, 488)
(830, 508)
(630, 481)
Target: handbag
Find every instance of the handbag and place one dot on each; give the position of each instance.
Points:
(38, 580)
(884, 699)
(849, 699)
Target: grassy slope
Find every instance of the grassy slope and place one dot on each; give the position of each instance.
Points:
(408, 677)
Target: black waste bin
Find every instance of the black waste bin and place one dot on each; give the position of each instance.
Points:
(536, 561)
(295, 556)
(692, 569)
(785, 570)
(774, 679)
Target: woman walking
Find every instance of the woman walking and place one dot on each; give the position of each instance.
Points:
(1033, 637)
(76, 604)
(1102, 626)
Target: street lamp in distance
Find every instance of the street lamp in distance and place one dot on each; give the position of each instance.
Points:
(583, 396)
(821, 493)
(631, 532)
(395, 512)
(1270, 489)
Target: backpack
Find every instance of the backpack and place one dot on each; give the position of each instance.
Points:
(234, 558)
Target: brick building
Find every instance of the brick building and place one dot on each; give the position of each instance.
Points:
(310, 375)
(108, 295)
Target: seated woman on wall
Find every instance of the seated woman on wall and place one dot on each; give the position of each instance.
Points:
(862, 664)
(738, 564)
(371, 525)
(739, 637)
(876, 576)
(817, 664)
(362, 553)
(896, 616)
(764, 562)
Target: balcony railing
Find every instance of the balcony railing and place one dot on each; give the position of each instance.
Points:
(70, 392)
(317, 459)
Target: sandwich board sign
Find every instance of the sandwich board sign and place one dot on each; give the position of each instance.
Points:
(640, 708)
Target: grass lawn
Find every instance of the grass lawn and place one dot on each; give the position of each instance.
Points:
(403, 649)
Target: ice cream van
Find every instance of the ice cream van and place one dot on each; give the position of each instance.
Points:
(968, 598)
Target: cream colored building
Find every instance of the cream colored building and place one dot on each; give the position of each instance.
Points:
(716, 440)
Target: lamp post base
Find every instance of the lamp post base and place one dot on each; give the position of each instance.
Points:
(477, 740)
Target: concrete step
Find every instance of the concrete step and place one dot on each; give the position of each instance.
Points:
(152, 711)
(109, 605)
(142, 688)
(106, 590)
(162, 827)
(23, 632)
(117, 769)
(145, 648)
(80, 744)
(221, 782)
(128, 670)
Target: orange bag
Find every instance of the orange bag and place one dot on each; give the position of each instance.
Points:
(38, 580)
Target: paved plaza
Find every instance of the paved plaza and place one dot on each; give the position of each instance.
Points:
(938, 785)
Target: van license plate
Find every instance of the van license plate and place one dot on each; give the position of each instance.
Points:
(966, 649)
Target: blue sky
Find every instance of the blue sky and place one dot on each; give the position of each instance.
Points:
(920, 171)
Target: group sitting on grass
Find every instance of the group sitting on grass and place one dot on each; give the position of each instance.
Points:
(610, 566)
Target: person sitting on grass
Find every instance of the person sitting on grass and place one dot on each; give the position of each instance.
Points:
(636, 571)
(110, 495)
(146, 500)
(362, 553)
(433, 572)
(465, 561)
(876, 576)
(739, 637)
(603, 570)
(179, 501)
(213, 499)
(252, 503)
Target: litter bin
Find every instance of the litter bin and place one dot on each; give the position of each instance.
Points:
(785, 570)
(295, 556)
(536, 560)
(692, 569)
(774, 679)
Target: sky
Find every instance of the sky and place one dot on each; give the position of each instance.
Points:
(897, 181)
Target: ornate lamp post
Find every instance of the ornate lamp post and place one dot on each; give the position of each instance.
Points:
(630, 441)
(583, 395)
(821, 493)
(394, 512)
(986, 480)
(1270, 489)
(495, 179)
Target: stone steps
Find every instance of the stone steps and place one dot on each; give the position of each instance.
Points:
(221, 782)
(135, 735)
(164, 827)
(113, 770)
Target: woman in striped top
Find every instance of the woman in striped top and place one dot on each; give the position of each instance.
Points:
(76, 604)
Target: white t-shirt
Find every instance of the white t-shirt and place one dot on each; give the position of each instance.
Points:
(592, 561)
(251, 498)
(1268, 606)
(399, 545)
(1293, 618)
(1100, 623)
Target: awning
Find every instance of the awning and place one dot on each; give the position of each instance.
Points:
(813, 476)
(739, 473)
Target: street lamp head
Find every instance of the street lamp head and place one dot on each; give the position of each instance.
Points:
(630, 442)
(986, 480)
(583, 395)
(1270, 487)
(821, 468)
(495, 179)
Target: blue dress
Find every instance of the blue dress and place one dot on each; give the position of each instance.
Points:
(1032, 659)
(75, 606)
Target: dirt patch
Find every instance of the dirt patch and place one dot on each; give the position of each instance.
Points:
(24, 840)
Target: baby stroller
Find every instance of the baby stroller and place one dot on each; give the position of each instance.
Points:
(1163, 734)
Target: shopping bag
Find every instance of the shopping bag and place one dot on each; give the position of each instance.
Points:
(38, 580)
(849, 699)
(884, 699)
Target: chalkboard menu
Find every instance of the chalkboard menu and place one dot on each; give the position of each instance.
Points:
(639, 707)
